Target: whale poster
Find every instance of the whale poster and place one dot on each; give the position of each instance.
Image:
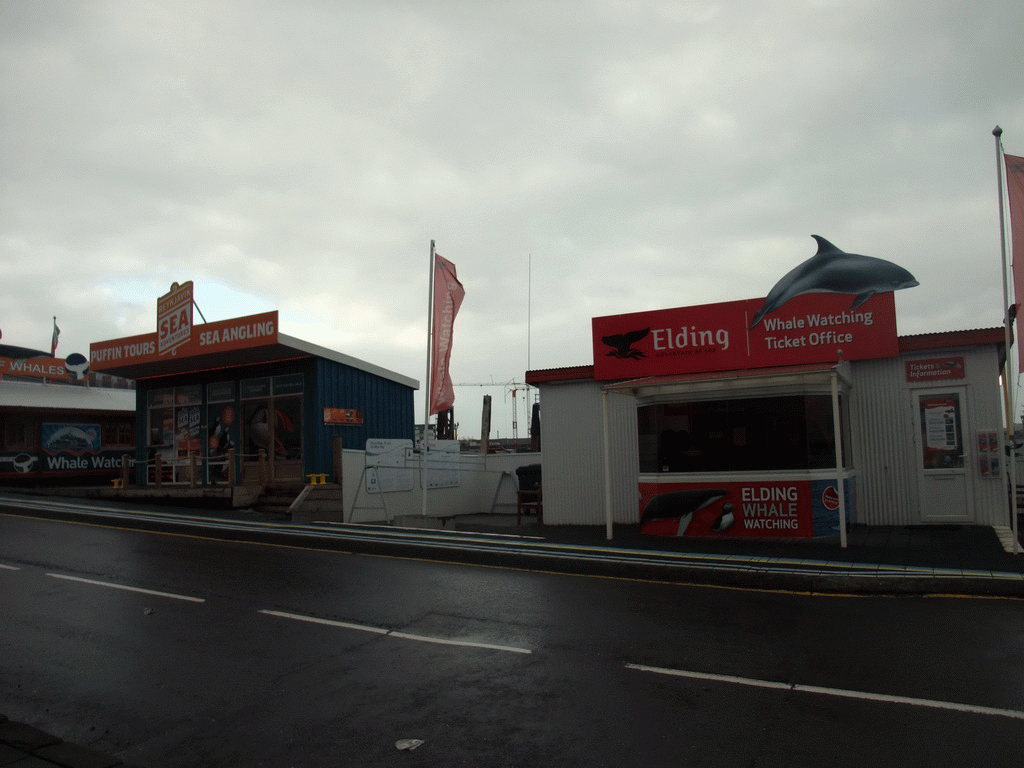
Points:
(808, 328)
(741, 509)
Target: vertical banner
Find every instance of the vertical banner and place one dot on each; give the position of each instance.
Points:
(1015, 204)
(448, 295)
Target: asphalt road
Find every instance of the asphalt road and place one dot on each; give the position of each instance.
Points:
(169, 650)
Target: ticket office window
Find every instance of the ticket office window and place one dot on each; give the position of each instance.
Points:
(759, 434)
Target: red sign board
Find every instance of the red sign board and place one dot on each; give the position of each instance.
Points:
(36, 368)
(350, 416)
(812, 328)
(174, 318)
(745, 508)
(936, 369)
(206, 339)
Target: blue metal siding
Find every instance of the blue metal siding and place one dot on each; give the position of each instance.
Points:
(387, 407)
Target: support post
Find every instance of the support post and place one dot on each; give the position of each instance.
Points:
(607, 468)
(426, 382)
(837, 433)
(337, 457)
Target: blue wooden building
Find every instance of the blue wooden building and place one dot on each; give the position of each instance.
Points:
(241, 389)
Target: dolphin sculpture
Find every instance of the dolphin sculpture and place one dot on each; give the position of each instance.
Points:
(831, 270)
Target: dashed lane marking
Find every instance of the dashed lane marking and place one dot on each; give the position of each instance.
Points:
(395, 633)
(862, 695)
(125, 587)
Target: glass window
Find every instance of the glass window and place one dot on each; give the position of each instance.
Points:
(18, 433)
(221, 392)
(255, 388)
(161, 427)
(160, 397)
(188, 395)
(759, 434)
(288, 385)
(118, 434)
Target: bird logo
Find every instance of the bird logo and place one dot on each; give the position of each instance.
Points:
(622, 344)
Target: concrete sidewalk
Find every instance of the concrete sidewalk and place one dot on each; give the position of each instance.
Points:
(926, 559)
(946, 559)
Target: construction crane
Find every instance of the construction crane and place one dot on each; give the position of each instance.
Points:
(511, 387)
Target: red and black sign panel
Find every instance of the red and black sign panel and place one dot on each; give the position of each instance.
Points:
(812, 328)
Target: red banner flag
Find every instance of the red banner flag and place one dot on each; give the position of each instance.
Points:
(53, 341)
(448, 295)
(1015, 203)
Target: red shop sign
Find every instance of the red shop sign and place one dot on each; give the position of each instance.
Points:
(812, 328)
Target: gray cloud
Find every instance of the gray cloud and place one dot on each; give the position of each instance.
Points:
(627, 155)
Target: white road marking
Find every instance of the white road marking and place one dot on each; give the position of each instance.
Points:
(865, 696)
(395, 633)
(328, 622)
(466, 643)
(9, 567)
(127, 588)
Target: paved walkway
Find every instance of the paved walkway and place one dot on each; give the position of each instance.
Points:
(24, 746)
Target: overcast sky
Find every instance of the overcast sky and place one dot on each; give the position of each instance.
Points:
(573, 159)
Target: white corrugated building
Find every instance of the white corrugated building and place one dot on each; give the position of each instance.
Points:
(921, 439)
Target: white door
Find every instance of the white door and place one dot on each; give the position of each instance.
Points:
(944, 463)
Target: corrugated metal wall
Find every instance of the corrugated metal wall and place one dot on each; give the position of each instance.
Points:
(881, 423)
(573, 456)
(886, 442)
(386, 405)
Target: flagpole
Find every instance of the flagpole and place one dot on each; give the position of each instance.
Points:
(1011, 461)
(426, 386)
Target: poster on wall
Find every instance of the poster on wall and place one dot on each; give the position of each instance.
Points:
(393, 465)
(389, 465)
(751, 509)
(221, 438)
(273, 426)
(443, 463)
(941, 437)
(69, 448)
(71, 438)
